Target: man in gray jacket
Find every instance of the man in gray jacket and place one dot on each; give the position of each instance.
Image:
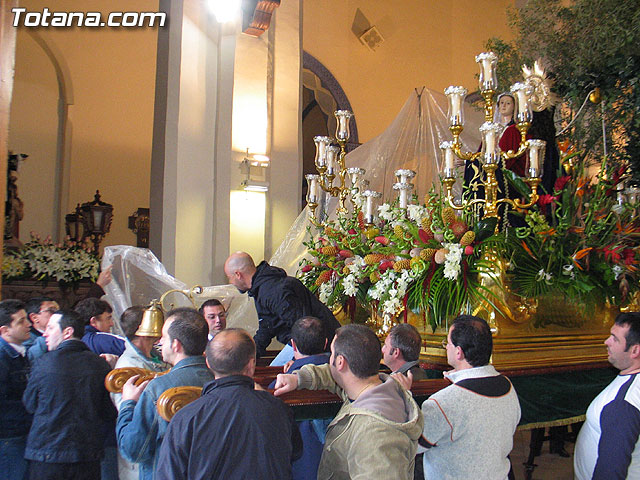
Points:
(375, 433)
(469, 426)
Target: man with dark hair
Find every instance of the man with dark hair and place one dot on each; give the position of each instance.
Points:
(14, 369)
(139, 428)
(39, 311)
(469, 426)
(608, 442)
(375, 433)
(96, 314)
(70, 405)
(254, 432)
(401, 350)
(216, 316)
(280, 300)
(309, 345)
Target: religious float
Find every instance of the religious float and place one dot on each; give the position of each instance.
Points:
(549, 269)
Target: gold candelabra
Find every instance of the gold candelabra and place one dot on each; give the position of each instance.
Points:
(490, 155)
(330, 164)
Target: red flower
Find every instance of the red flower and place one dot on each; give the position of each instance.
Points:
(546, 199)
(561, 182)
(629, 256)
(307, 268)
(618, 174)
(612, 253)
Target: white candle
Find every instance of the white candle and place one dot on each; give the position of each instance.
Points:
(312, 188)
(332, 154)
(342, 129)
(487, 62)
(456, 97)
(533, 159)
(489, 133)
(369, 207)
(321, 150)
(536, 157)
(403, 198)
(523, 94)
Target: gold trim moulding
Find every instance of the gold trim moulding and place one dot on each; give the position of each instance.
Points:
(529, 352)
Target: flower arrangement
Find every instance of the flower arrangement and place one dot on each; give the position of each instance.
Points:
(581, 241)
(65, 262)
(424, 258)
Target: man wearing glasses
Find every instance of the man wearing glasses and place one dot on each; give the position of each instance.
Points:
(39, 311)
(214, 313)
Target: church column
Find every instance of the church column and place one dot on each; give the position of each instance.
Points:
(285, 113)
(191, 146)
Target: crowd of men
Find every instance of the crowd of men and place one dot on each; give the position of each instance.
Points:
(57, 419)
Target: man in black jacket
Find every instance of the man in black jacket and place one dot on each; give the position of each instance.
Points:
(233, 430)
(280, 300)
(14, 369)
(70, 404)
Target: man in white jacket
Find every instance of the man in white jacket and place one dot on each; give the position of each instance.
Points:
(469, 426)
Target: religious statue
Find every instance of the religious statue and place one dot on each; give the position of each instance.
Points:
(14, 207)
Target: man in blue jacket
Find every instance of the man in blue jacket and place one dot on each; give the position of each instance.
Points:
(98, 337)
(280, 300)
(14, 369)
(139, 428)
(70, 404)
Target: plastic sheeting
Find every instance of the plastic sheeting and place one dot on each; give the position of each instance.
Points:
(411, 141)
(139, 278)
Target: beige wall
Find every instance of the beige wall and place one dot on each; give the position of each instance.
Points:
(431, 43)
(112, 75)
(33, 130)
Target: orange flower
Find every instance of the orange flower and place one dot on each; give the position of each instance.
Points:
(548, 233)
(528, 250)
(580, 254)
(580, 189)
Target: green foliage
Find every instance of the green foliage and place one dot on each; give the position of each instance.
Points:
(585, 44)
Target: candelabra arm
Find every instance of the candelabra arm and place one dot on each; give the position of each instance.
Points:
(456, 146)
(342, 191)
(523, 127)
(448, 183)
(312, 217)
(533, 198)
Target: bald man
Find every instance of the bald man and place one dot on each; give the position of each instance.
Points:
(280, 300)
(232, 430)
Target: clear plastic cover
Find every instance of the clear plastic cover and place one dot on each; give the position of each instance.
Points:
(410, 142)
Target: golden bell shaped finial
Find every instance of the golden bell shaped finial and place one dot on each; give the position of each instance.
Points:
(152, 321)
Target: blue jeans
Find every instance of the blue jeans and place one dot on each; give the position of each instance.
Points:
(12, 463)
(283, 357)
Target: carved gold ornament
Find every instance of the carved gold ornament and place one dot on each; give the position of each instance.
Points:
(542, 96)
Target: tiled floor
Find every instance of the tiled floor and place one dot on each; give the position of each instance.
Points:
(549, 467)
